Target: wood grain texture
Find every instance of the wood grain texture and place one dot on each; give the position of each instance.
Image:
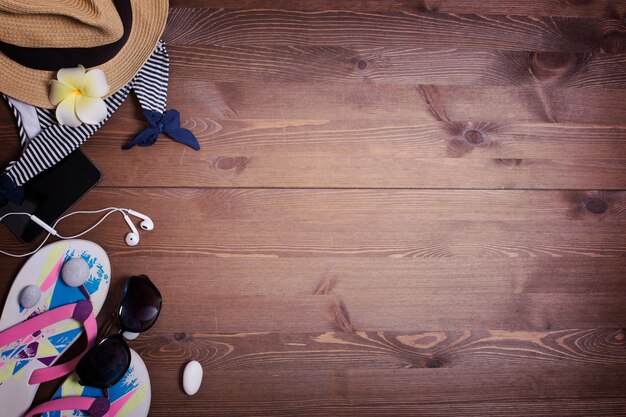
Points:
(226, 63)
(343, 351)
(573, 8)
(369, 154)
(415, 103)
(199, 26)
(371, 172)
(402, 312)
(370, 149)
(390, 102)
(346, 139)
(300, 277)
(271, 226)
(517, 391)
(400, 208)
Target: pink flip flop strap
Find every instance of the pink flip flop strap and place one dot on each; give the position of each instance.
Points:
(81, 311)
(97, 407)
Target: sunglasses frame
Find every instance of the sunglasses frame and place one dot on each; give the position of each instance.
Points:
(87, 382)
(146, 280)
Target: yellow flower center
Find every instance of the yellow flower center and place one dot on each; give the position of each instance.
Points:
(77, 92)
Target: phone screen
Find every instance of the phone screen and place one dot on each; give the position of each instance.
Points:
(51, 193)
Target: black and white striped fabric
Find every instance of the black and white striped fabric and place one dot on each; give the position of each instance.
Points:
(54, 141)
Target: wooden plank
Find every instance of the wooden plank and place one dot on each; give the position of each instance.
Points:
(515, 391)
(575, 208)
(573, 8)
(398, 65)
(204, 102)
(201, 169)
(364, 154)
(419, 140)
(347, 139)
(390, 311)
(339, 149)
(270, 226)
(265, 217)
(398, 311)
(323, 154)
(300, 277)
(376, 29)
(388, 102)
(343, 351)
(254, 294)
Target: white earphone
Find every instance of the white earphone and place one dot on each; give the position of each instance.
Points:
(131, 239)
(146, 223)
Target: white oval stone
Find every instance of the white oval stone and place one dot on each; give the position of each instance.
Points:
(75, 272)
(29, 296)
(192, 377)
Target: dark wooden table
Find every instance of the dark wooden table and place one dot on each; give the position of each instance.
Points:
(400, 208)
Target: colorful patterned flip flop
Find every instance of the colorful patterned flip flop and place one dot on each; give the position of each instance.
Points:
(130, 397)
(24, 362)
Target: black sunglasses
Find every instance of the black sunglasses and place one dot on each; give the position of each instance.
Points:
(107, 362)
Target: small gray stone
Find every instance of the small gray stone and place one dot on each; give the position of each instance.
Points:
(29, 296)
(75, 272)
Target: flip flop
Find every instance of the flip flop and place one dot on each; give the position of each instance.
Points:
(33, 339)
(130, 397)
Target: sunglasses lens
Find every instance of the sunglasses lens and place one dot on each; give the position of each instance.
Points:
(105, 364)
(141, 304)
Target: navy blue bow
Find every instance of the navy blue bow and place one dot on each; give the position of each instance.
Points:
(9, 191)
(169, 123)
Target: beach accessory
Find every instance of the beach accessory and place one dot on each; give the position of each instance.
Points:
(77, 95)
(38, 37)
(93, 24)
(131, 239)
(129, 397)
(139, 306)
(109, 361)
(32, 338)
(46, 142)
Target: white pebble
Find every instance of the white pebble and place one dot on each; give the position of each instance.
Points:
(29, 296)
(192, 377)
(75, 272)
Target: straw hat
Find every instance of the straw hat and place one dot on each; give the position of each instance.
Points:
(39, 37)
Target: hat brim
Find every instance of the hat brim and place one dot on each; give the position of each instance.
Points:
(33, 86)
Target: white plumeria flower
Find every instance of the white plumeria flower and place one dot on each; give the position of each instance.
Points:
(78, 96)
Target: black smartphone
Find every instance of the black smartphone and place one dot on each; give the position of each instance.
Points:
(51, 193)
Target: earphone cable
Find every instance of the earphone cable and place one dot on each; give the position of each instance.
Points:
(110, 210)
